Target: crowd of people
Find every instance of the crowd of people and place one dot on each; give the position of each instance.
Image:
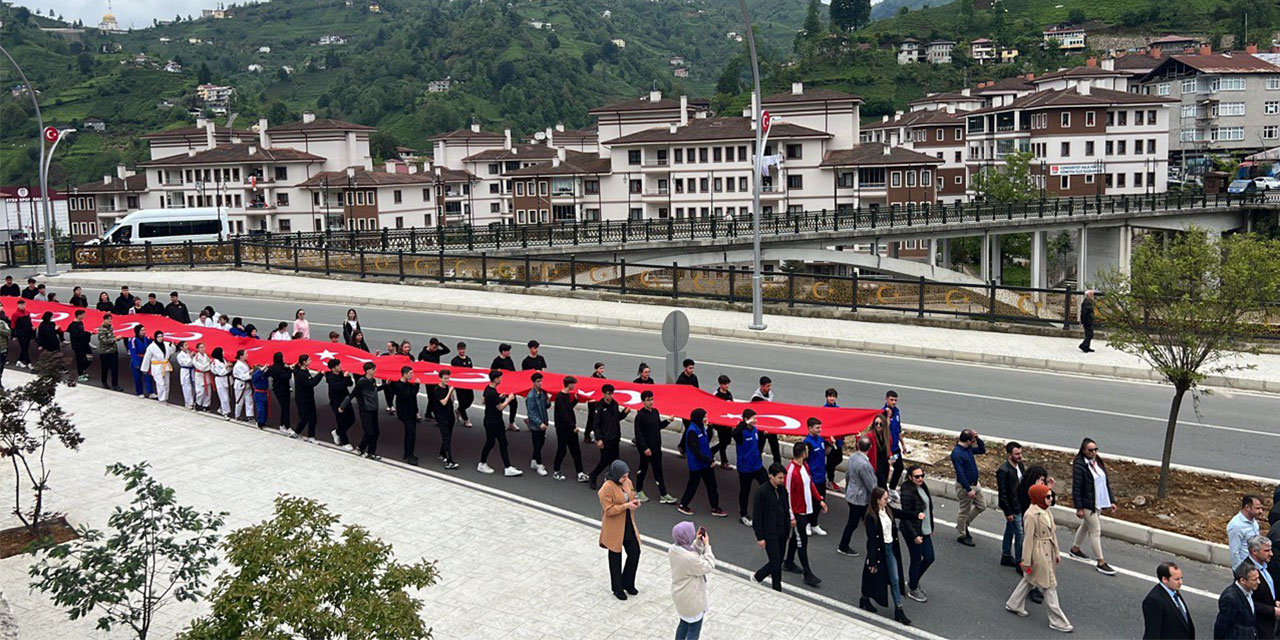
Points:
(885, 495)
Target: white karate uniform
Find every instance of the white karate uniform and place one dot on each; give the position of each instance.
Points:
(243, 387)
(203, 379)
(156, 363)
(186, 378)
(222, 381)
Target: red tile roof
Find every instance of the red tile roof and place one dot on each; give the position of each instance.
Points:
(717, 129)
(230, 153)
(133, 183)
(322, 124)
(874, 154)
(811, 94)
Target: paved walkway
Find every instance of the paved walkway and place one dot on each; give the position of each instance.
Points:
(1009, 349)
(508, 568)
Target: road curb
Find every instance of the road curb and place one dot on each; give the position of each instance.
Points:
(1021, 362)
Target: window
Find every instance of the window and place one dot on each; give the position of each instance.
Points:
(742, 184)
(520, 188)
(1228, 84)
(895, 179)
(702, 154)
(795, 181)
(693, 186)
(1228, 109)
(959, 156)
(742, 153)
(635, 213)
(1088, 178)
(689, 155)
(1122, 147)
(959, 179)
(360, 198)
(426, 195)
(1151, 145)
(1151, 116)
(703, 185)
(494, 207)
(397, 197)
(871, 177)
(719, 183)
(495, 188)
(633, 156)
(1273, 83)
(1066, 149)
(542, 188)
(1271, 132)
(717, 155)
(926, 178)
(1090, 118)
(520, 219)
(662, 157)
(1192, 111)
(938, 134)
(679, 156)
(1189, 86)
(1192, 135)
(493, 168)
(1271, 107)
(282, 173)
(285, 226)
(593, 186)
(1137, 117)
(1110, 147)
(1066, 119)
(1088, 147)
(957, 133)
(845, 180)
(1226, 134)
(399, 222)
(911, 178)
(1120, 180)
(1122, 118)
(1064, 182)
(730, 184)
(1162, 89)
(794, 152)
(1137, 179)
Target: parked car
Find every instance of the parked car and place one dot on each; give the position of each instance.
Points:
(1267, 183)
(1241, 187)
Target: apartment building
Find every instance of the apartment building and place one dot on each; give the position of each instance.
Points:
(1226, 103)
(398, 197)
(570, 187)
(1070, 38)
(1084, 140)
(909, 51)
(939, 133)
(939, 51)
(982, 50)
(95, 206)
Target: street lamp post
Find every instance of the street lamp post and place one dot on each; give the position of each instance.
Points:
(50, 265)
(757, 309)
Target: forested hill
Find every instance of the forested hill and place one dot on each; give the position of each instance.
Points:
(526, 64)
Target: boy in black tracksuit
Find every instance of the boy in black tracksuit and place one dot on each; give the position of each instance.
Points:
(649, 424)
(366, 394)
(441, 399)
(771, 520)
(503, 362)
(609, 417)
(339, 385)
(566, 423)
(588, 434)
(304, 396)
(466, 397)
(405, 395)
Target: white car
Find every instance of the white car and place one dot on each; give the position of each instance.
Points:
(1267, 183)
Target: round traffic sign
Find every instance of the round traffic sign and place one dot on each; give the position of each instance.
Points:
(51, 134)
(675, 331)
(23, 192)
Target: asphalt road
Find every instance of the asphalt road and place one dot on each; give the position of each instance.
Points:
(967, 587)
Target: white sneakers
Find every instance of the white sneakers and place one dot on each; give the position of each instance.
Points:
(816, 530)
(582, 477)
(541, 469)
(512, 472)
(484, 468)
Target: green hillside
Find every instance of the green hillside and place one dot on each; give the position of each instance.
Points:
(506, 70)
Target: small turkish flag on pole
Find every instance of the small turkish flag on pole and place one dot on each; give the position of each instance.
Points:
(51, 134)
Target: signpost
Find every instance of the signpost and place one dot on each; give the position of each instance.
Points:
(675, 336)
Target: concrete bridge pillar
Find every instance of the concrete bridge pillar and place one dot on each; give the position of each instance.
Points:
(1103, 249)
(984, 258)
(944, 253)
(933, 251)
(997, 258)
(1082, 250)
(1039, 259)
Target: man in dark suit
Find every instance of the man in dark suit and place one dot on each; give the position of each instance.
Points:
(1266, 605)
(1236, 619)
(1164, 614)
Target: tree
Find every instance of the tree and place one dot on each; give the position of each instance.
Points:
(30, 419)
(844, 14)
(1188, 307)
(813, 20)
(1076, 16)
(84, 62)
(292, 577)
(553, 41)
(159, 552)
(203, 74)
(383, 146)
(730, 82)
(1011, 183)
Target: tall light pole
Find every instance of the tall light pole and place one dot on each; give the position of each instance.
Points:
(50, 266)
(757, 305)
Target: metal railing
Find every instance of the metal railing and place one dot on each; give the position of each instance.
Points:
(915, 296)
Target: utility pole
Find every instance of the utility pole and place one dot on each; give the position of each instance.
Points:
(757, 305)
(50, 265)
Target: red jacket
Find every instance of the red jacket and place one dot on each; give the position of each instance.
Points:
(803, 499)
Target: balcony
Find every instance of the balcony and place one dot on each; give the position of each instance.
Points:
(107, 208)
(658, 191)
(655, 162)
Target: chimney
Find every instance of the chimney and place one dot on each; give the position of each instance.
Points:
(964, 91)
(560, 127)
(1206, 50)
(121, 172)
(655, 96)
(951, 108)
(413, 168)
(684, 110)
(351, 172)
(209, 140)
(551, 141)
(672, 127)
(886, 150)
(264, 139)
(560, 154)
(1091, 63)
(475, 127)
(884, 118)
(368, 163)
(1030, 77)
(253, 150)
(1083, 88)
(506, 139)
(555, 162)
(1251, 48)
(106, 180)
(391, 166)
(191, 153)
(1109, 64)
(797, 88)
(1156, 53)
(308, 117)
(897, 115)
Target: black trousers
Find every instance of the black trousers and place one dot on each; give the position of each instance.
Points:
(539, 439)
(897, 472)
(307, 418)
(465, 399)
(772, 439)
(109, 365)
(369, 423)
(82, 361)
(446, 438)
(834, 457)
(724, 437)
(622, 577)
(282, 399)
(567, 441)
(744, 487)
(608, 453)
(4, 360)
(773, 547)
(589, 431)
(410, 435)
(24, 350)
(511, 411)
(344, 421)
(654, 463)
(856, 513)
(495, 434)
(799, 541)
(1088, 337)
(822, 491)
(705, 476)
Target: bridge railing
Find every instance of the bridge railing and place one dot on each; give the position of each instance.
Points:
(497, 237)
(856, 292)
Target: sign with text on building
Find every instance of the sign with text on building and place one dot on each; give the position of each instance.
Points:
(1074, 169)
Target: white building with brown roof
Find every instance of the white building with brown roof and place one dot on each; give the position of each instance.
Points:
(94, 206)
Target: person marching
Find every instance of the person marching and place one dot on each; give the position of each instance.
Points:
(609, 415)
(750, 462)
(156, 361)
(186, 375)
(494, 434)
(589, 432)
(365, 394)
(649, 424)
(137, 348)
(442, 408)
(351, 327)
(108, 353)
(221, 371)
(765, 394)
(724, 435)
(698, 450)
(803, 493)
(304, 385)
(203, 376)
(466, 397)
(817, 467)
(338, 383)
(567, 428)
(688, 378)
(242, 378)
(503, 362)
(280, 374)
(772, 521)
(261, 382)
(80, 347)
(404, 394)
(1040, 560)
(535, 405)
(24, 331)
(883, 570)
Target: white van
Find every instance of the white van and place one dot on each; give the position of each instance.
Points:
(169, 226)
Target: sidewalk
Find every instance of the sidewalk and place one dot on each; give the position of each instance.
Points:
(492, 584)
(997, 348)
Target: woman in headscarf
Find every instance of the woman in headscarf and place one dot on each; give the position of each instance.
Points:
(618, 528)
(1039, 561)
(691, 562)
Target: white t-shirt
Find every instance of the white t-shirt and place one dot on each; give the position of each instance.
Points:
(886, 525)
(1101, 498)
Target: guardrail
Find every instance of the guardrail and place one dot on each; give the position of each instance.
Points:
(990, 302)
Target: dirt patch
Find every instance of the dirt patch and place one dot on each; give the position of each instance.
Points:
(1198, 505)
(19, 540)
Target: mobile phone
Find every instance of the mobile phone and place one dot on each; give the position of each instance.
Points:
(702, 531)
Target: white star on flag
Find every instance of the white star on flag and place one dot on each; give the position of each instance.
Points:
(327, 355)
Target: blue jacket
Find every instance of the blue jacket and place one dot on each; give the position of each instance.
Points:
(137, 348)
(966, 466)
(817, 458)
(748, 447)
(535, 407)
(698, 447)
(840, 440)
(895, 430)
(260, 380)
